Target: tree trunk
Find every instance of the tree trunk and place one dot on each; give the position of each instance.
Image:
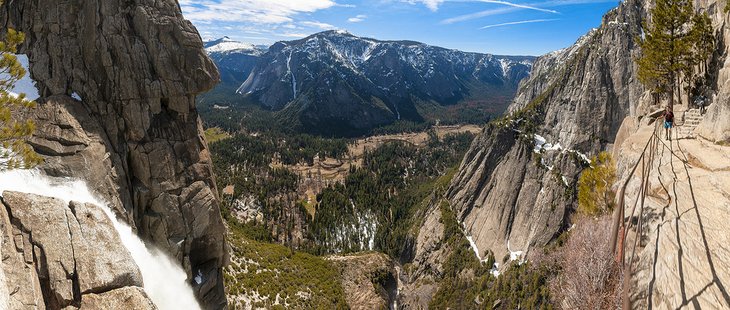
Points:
(679, 92)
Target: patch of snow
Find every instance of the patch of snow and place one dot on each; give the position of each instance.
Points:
(550, 147)
(515, 255)
(474, 247)
(583, 157)
(293, 78)
(565, 180)
(76, 96)
(505, 63)
(544, 164)
(226, 45)
(495, 270)
(539, 142)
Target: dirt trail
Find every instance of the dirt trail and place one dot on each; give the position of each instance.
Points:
(684, 254)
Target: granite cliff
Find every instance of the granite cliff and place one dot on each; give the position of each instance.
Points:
(117, 84)
(515, 187)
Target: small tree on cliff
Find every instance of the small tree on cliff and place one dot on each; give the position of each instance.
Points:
(673, 44)
(594, 185)
(14, 151)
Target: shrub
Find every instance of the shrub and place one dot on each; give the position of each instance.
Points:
(590, 277)
(594, 186)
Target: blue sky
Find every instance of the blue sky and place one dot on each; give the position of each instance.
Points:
(524, 27)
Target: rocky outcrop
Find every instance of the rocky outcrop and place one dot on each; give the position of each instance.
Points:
(716, 124)
(515, 187)
(368, 280)
(419, 282)
(124, 298)
(56, 254)
(118, 82)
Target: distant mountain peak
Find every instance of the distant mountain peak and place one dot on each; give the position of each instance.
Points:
(228, 45)
(334, 79)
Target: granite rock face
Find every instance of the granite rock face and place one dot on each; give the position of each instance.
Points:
(55, 254)
(431, 251)
(515, 187)
(118, 81)
(367, 279)
(716, 123)
(124, 298)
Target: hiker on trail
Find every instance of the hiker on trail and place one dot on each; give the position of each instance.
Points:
(702, 103)
(668, 123)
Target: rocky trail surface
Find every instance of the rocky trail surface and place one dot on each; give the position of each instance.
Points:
(683, 259)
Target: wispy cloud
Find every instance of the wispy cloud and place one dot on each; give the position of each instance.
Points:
(540, 6)
(314, 24)
(253, 11)
(433, 5)
(485, 13)
(521, 6)
(511, 7)
(357, 18)
(291, 35)
(518, 22)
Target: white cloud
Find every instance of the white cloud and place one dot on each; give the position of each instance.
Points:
(357, 19)
(319, 25)
(433, 5)
(485, 13)
(253, 11)
(519, 22)
(291, 35)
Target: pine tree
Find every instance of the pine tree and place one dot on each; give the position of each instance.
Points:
(703, 39)
(14, 151)
(676, 41)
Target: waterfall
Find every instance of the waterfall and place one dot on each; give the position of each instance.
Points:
(165, 282)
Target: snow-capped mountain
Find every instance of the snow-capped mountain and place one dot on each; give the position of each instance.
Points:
(234, 59)
(227, 45)
(337, 79)
(334, 80)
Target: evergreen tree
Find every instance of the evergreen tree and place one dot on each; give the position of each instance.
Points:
(14, 151)
(703, 45)
(594, 186)
(675, 41)
(703, 38)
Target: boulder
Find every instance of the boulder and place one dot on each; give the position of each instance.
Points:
(123, 298)
(54, 253)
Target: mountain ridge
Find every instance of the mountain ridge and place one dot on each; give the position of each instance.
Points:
(336, 82)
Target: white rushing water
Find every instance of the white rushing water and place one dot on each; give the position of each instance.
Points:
(164, 280)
